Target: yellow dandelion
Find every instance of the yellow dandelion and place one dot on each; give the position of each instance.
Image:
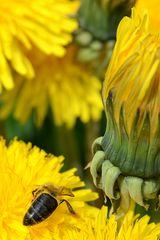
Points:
(64, 84)
(24, 168)
(126, 164)
(152, 8)
(24, 25)
(100, 228)
(133, 73)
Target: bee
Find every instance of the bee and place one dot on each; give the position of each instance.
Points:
(46, 199)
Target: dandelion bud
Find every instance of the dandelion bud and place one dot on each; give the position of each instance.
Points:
(126, 164)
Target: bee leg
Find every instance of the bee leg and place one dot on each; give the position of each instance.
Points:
(68, 205)
(37, 191)
(34, 192)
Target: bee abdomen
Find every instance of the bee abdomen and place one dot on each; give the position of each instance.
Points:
(40, 209)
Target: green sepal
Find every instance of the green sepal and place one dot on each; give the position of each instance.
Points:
(136, 153)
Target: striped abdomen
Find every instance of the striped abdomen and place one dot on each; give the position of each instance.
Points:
(41, 208)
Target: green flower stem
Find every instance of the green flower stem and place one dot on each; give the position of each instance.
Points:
(68, 146)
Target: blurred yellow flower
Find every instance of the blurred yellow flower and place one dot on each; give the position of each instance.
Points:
(67, 86)
(38, 24)
(101, 228)
(23, 168)
(153, 9)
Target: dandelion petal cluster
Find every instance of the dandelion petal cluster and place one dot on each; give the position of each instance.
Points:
(24, 25)
(23, 168)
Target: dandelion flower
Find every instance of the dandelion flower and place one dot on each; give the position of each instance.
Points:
(126, 164)
(101, 228)
(38, 24)
(23, 168)
(152, 8)
(64, 84)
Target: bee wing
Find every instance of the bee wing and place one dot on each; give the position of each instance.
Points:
(64, 191)
(58, 191)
